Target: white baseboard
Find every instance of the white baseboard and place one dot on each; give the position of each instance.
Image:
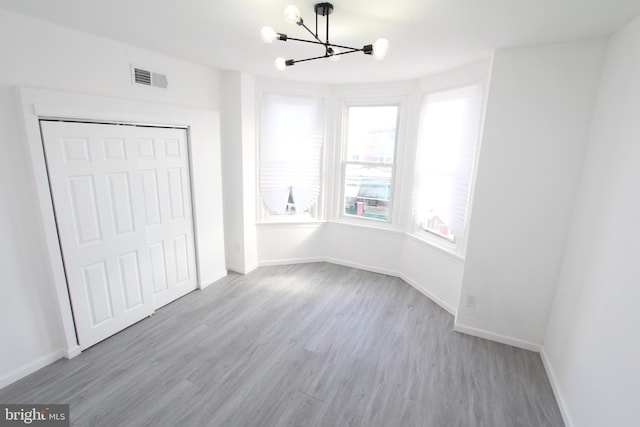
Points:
(359, 266)
(212, 279)
(503, 339)
(31, 367)
(433, 297)
(457, 327)
(556, 389)
(73, 352)
(249, 268)
(243, 270)
(365, 267)
(288, 261)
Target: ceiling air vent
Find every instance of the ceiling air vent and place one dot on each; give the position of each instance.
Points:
(148, 78)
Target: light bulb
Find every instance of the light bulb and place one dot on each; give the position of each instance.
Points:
(334, 56)
(380, 49)
(280, 64)
(268, 34)
(292, 14)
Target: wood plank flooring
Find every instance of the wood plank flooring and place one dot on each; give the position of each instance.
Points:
(299, 345)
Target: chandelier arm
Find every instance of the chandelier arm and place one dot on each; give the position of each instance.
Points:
(310, 59)
(295, 61)
(306, 41)
(354, 49)
(348, 51)
(315, 36)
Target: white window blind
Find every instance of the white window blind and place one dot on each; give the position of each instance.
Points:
(290, 153)
(448, 138)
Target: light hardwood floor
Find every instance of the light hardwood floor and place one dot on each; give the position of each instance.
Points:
(300, 345)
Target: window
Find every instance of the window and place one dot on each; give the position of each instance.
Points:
(448, 136)
(290, 154)
(368, 165)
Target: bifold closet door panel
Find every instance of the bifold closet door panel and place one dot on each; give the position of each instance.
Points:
(123, 210)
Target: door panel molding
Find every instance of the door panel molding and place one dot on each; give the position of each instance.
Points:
(97, 182)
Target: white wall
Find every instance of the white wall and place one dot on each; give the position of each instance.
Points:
(592, 343)
(292, 243)
(38, 54)
(362, 247)
(535, 132)
(432, 271)
(239, 169)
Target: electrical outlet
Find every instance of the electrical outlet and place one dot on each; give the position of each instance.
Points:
(471, 301)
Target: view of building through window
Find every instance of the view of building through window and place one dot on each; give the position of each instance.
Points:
(369, 163)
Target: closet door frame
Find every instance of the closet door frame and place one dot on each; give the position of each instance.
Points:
(203, 130)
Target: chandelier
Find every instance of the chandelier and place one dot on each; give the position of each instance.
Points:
(332, 51)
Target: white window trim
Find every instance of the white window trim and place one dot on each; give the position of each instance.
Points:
(393, 222)
(317, 212)
(415, 230)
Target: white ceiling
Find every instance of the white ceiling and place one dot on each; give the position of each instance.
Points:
(425, 36)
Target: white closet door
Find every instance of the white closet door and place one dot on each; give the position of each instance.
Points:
(123, 210)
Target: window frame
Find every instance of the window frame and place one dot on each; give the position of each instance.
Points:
(342, 162)
(457, 248)
(315, 213)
